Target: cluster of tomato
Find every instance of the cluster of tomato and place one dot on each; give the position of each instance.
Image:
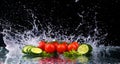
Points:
(56, 46)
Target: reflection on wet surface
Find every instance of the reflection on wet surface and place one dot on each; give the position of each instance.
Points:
(105, 56)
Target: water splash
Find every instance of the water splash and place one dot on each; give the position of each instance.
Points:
(15, 39)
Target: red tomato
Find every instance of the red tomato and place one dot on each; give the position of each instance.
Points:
(72, 47)
(76, 43)
(50, 48)
(61, 48)
(55, 43)
(65, 43)
(42, 45)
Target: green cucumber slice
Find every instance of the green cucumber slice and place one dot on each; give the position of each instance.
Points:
(36, 51)
(26, 49)
(84, 49)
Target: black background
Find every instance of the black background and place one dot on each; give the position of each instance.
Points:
(65, 13)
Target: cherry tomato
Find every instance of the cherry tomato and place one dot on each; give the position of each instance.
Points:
(72, 47)
(42, 45)
(61, 48)
(50, 48)
(65, 43)
(55, 43)
(76, 43)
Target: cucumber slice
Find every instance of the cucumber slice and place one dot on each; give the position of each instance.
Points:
(26, 49)
(36, 51)
(84, 49)
(29, 50)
